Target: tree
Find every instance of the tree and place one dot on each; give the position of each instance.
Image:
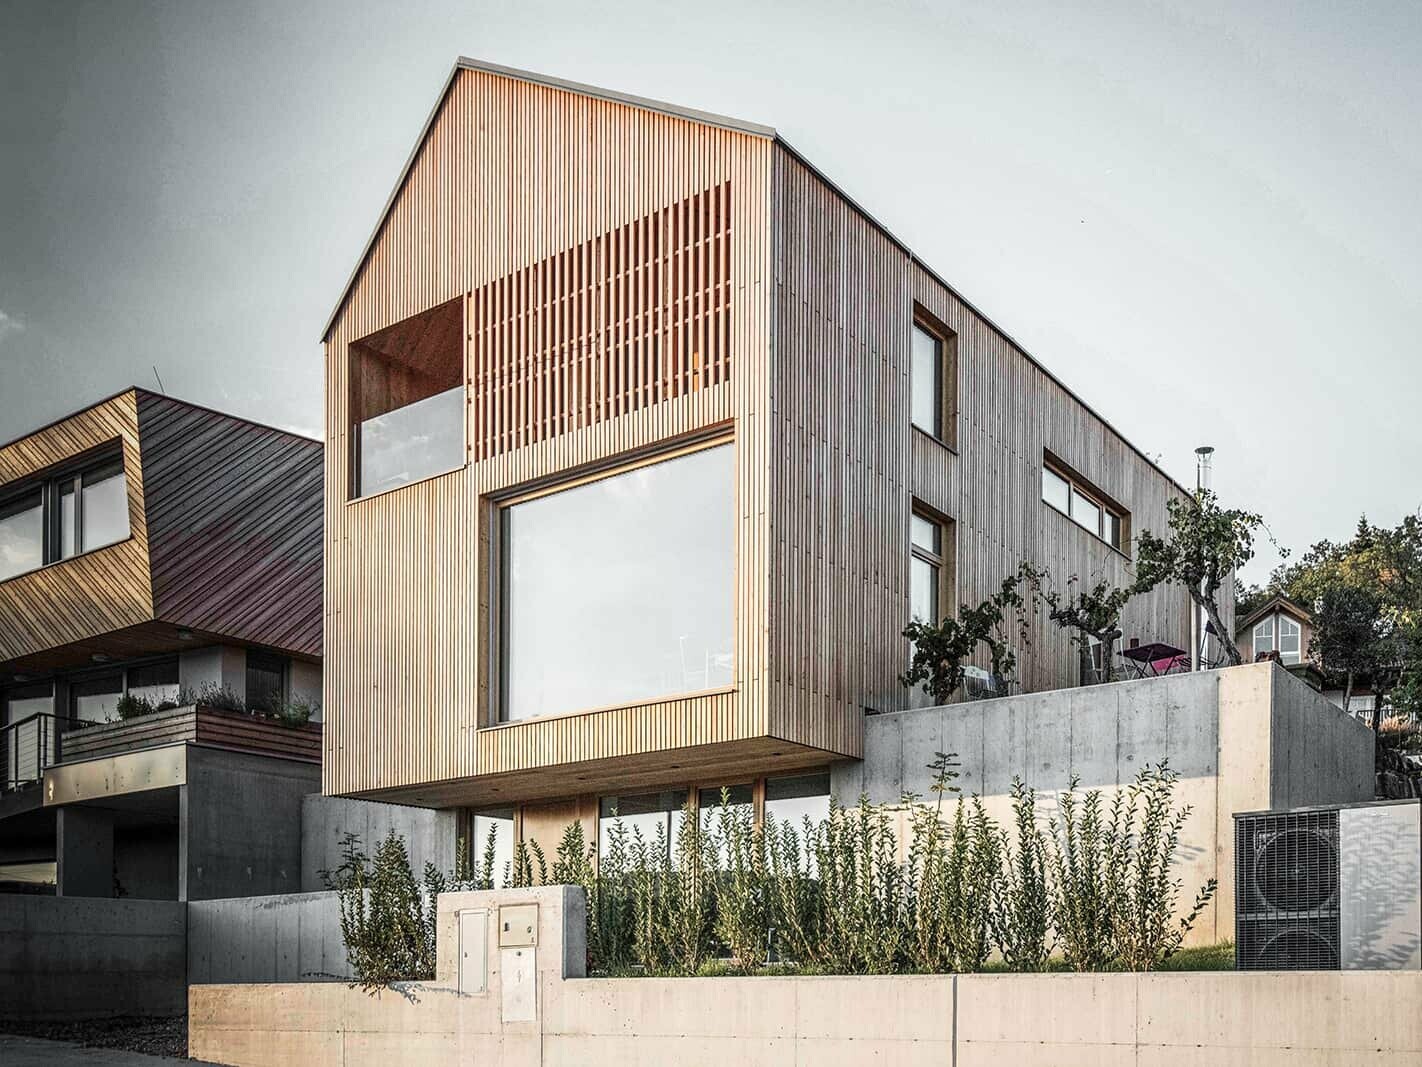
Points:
(1248, 597)
(1206, 544)
(1377, 572)
(941, 650)
(1093, 613)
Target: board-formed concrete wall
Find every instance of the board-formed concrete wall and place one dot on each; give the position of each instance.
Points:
(86, 957)
(285, 938)
(429, 835)
(1314, 1019)
(1242, 739)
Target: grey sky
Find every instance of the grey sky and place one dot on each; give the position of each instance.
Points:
(1204, 217)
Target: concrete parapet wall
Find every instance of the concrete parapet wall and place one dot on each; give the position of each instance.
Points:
(286, 938)
(429, 834)
(536, 1010)
(85, 957)
(1241, 739)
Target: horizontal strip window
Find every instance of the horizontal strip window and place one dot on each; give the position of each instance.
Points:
(1084, 506)
(64, 515)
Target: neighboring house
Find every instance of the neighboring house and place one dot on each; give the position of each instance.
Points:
(154, 550)
(1284, 627)
(644, 444)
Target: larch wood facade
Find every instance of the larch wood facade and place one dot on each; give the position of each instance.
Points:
(633, 278)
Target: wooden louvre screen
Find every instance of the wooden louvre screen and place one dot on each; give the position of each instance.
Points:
(628, 319)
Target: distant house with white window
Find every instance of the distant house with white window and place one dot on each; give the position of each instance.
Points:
(1284, 626)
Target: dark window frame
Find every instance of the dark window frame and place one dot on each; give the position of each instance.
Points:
(49, 486)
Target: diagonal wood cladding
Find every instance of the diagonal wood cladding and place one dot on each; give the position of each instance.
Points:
(224, 537)
(234, 520)
(99, 591)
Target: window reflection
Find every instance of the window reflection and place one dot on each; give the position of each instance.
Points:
(492, 848)
(21, 535)
(104, 508)
(644, 814)
(789, 801)
(619, 590)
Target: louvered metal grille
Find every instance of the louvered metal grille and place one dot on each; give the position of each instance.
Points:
(1286, 891)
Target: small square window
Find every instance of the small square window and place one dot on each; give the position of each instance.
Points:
(1056, 491)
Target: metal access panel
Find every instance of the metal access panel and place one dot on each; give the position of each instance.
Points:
(518, 925)
(474, 951)
(519, 980)
(1380, 912)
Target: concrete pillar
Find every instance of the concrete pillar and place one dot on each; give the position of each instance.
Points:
(84, 852)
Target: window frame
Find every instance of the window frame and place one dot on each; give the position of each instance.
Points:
(1267, 626)
(492, 568)
(49, 485)
(938, 561)
(1107, 510)
(1297, 654)
(356, 352)
(946, 398)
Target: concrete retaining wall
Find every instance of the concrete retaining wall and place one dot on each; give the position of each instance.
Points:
(1242, 739)
(287, 938)
(78, 957)
(1255, 1019)
(429, 835)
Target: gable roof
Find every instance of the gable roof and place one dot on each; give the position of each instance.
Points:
(1277, 602)
(710, 118)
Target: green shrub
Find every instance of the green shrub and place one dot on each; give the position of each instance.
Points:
(132, 707)
(388, 917)
(296, 711)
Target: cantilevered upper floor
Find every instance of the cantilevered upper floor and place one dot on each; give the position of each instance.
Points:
(153, 550)
(644, 443)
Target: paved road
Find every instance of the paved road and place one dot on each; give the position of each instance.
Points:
(34, 1052)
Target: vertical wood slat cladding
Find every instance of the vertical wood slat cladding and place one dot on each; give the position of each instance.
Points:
(94, 593)
(633, 317)
(514, 175)
(234, 525)
(848, 467)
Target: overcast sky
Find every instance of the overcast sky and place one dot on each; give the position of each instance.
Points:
(1204, 217)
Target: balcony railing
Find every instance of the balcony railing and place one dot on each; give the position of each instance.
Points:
(31, 745)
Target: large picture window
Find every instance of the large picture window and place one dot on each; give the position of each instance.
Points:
(64, 515)
(619, 590)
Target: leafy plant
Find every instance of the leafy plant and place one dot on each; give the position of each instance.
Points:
(133, 707)
(212, 695)
(387, 916)
(296, 711)
(1022, 907)
(1113, 893)
(941, 650)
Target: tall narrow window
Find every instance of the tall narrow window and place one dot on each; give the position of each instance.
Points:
(925, 569)
(633, 573)
(21, 535)
(407, 402)
(266, 680)
(1263, 637)
(926, 382)
(1289, 640)
(491, 850)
